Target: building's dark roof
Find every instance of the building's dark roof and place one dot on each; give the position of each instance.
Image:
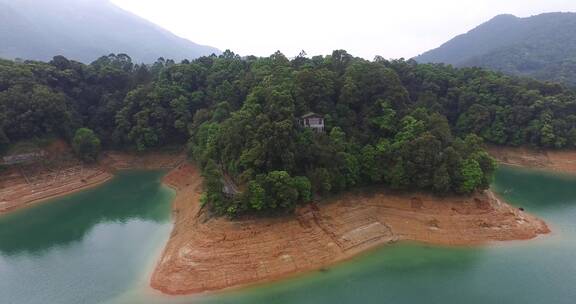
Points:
(311, 114)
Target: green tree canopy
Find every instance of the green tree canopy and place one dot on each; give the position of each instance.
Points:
(396, 124)
(86, 145)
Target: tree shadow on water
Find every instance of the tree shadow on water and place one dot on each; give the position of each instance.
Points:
(536, 191)
(134, 195)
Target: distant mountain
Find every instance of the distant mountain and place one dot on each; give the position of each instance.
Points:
(542, 47)
(84, 30)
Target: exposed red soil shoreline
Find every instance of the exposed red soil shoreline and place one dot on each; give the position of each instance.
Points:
(207, 254)
(19, 191)
(561, 161)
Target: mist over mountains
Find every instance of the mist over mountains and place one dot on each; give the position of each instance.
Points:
(84, 30)
(542, 47)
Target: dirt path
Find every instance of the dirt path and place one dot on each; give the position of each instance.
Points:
(205, 254)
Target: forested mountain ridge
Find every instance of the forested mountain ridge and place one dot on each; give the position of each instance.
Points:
(541, 47)
(83, 30)
(397, 123)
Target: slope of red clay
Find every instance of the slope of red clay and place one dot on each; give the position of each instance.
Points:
(205, 254)
(18, 190)
(562, 161)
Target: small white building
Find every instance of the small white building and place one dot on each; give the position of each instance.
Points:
(313, 121)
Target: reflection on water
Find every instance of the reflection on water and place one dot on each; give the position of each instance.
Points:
(87, 247)
(95, 257)
(531, 272)
(130, 196)
(536, 191)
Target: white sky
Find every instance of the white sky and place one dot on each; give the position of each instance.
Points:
(392, 29)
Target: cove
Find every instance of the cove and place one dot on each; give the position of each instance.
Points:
(97, 247)
(88, 247)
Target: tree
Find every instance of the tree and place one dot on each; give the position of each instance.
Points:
(398, 178)
(397, 123)
(256, 195)
(441, 182)
(472, 176)
(338, 138)
(214, 196)
(86, 145)
(488, 166)
(386, 122)
(369, 167)
(280, 192)
(4, 141)
(321, 180)
(304, 187)
(351, 170)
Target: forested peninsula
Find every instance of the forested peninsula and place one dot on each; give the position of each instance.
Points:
(399, 124)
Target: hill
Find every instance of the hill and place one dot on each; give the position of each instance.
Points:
(84, 30)
(399, 124)
(542, 47)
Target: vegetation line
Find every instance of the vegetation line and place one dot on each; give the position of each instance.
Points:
(288, 130)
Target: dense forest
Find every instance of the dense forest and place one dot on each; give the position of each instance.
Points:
(541, 47)
(396, 123)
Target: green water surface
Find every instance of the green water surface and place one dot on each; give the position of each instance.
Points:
(88, 247)
(98, 247)
(539, 271)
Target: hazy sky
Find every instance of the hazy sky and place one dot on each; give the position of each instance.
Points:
(393, 29)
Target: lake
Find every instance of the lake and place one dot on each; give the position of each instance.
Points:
(88, 247)
(99, 246)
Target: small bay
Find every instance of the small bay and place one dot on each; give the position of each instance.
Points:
(98, 246)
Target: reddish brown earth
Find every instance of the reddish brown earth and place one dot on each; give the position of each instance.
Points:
(114, 160)
(57, 173)
(205, 253)
(556, 161)
(16, 192)
(23, 186)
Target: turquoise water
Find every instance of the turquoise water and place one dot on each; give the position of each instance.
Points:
(538, 271)
(88, 247)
